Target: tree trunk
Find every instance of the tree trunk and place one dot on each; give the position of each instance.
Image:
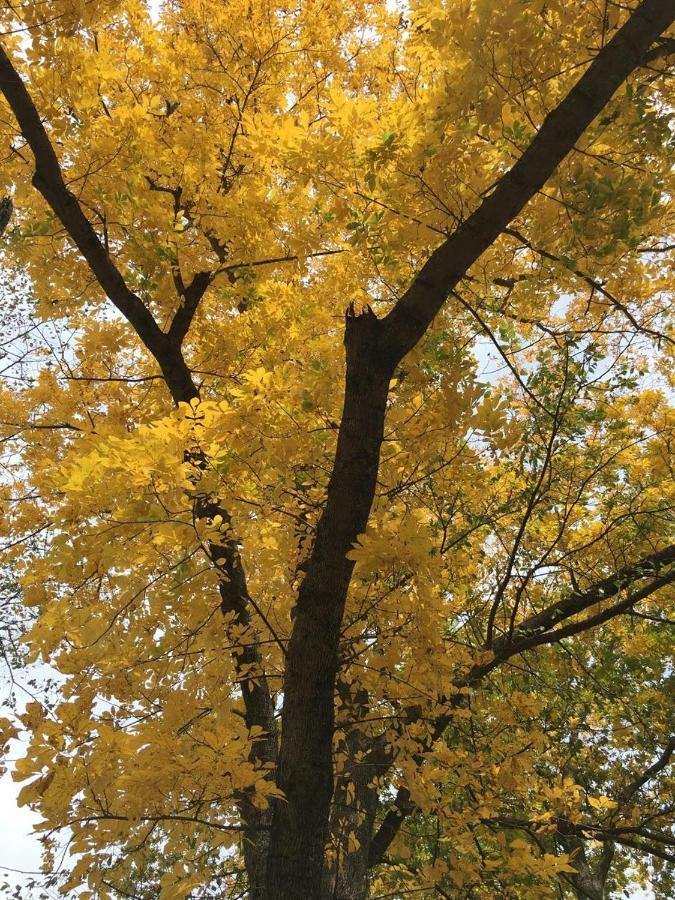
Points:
(589, 880)
(296, 867)
(355, 802)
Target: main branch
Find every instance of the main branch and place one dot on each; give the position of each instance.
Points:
(373, 350)
(48, 180)
(561, 129)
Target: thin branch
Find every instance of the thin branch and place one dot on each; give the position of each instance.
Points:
(488, 331)
(630, 790)
(166, 818)
(232, 267)
(594, 284)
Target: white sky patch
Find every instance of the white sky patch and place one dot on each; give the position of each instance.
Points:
(20, 848)
(154, 8)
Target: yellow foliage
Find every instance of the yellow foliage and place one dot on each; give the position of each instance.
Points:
(309, 158)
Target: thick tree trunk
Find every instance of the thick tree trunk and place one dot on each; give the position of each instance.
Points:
(305, 770)
(374, 349)
(355, 805)
(589, 880)
(354, 808)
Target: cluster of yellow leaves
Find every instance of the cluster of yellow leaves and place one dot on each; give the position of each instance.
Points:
(225, 136)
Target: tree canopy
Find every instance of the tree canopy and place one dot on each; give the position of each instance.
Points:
(336, 432)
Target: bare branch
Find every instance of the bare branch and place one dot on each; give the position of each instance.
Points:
(631, 789)
(664, 47)
(578, 601)
(594, 284)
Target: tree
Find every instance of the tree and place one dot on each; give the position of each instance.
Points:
(344, 621)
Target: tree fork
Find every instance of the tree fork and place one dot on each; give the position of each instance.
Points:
(374, 348)
(166, 348)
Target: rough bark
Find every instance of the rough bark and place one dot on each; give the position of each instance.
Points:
(305, 768)
(354, 806)
(588, 881)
